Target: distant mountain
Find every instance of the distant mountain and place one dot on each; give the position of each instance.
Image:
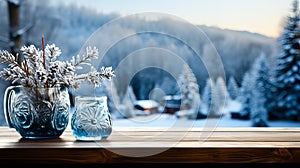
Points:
(238, 49)
(70, 27)
(241, 32)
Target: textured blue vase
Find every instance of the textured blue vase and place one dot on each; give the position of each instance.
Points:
(91, 119)
(37, 112)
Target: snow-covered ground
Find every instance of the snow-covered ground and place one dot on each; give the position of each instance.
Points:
(166, 120)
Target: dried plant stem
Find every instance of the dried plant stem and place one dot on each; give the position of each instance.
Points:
(43, 49)
(85, 76)
(81, 77)
(44, 57)
(18, 65)
(83, 60)
(26, 68)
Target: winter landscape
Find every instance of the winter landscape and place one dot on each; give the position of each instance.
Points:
(170, 72)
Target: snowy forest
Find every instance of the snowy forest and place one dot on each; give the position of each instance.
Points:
(262, 74)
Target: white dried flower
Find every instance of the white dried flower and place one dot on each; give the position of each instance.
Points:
(52, 52)
(5, 56)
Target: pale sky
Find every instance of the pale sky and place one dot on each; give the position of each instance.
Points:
(259, 16)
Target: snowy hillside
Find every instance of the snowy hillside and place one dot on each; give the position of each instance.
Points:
(165, 120)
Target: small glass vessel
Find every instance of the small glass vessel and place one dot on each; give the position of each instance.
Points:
(91, 119)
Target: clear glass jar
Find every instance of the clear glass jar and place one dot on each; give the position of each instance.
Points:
(91, 119)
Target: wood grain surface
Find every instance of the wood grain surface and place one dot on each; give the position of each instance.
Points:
(157, 145)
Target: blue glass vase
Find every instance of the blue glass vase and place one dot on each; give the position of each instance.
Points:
(91, 119)
(37, 112)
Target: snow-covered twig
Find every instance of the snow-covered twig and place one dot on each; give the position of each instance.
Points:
(36, 71)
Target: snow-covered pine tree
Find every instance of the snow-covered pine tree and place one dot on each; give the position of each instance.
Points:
(119, 107)
(113, 98)
(210, 99)
(221, 95)
(127, 103)
(111, 92)
(129, 97)
(233, 88)
(246, 95)
(206, 96)
(288, 67)
(188, 86)
(258, 106)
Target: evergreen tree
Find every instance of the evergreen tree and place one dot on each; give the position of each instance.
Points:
(206, 94)
(288, 67)
(113, 98)
(258, 106)
(246, 94)
(129, 97)
(221, 94)
(274, 112)
(119, 108)
(189, 88)
(232, 88)
(210, 99)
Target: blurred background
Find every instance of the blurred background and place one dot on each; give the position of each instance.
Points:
(245, 35)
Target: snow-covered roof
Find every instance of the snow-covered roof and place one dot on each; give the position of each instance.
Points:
(146, 104)
(172, 97)
(16, 2)
(234, 106)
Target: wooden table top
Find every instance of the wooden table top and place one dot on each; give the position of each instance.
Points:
(158, 145)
